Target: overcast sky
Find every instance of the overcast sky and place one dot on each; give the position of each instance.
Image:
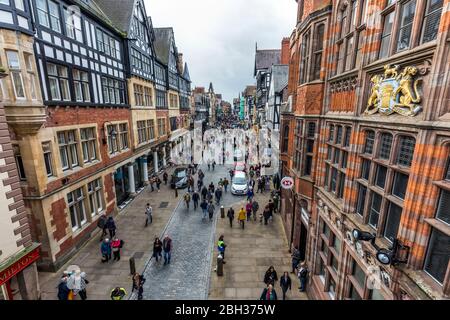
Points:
(217, 37)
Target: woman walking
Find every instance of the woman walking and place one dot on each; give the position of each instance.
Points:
(268, 293)
(271, 276)
(248, 209)
(157, 249)
(138, 285)
(285, 283)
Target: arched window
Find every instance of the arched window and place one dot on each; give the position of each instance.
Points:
(317, 54)
(349, 43)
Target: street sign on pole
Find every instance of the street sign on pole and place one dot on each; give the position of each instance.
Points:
(287, 183)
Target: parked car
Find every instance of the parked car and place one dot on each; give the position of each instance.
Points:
(239, 184)
(179, 178)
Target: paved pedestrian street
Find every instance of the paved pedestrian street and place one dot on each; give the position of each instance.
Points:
(191, 273)
(187, 276)
(249, 253)
(103, 277)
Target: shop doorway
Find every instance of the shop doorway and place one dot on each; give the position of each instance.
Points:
(303, 241)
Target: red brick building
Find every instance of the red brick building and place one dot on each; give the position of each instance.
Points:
(367, 140)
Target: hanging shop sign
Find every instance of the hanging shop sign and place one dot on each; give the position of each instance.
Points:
(287, 183)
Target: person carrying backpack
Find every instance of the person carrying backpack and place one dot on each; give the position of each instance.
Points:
(118, 293)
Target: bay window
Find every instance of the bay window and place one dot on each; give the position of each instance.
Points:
(16, 73)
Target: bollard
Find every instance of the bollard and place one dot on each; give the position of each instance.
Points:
(132, 266)
(220, 265)
(222, 212)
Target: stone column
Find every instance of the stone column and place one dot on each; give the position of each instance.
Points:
(155, 161)
(131, 179)
(164, 157)
(145, 169)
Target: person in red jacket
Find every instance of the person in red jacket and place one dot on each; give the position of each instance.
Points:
(116, 245)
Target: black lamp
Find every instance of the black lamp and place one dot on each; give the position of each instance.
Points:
(112, 133)
(363, 235)
(384, 256)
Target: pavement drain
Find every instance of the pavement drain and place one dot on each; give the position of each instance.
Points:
(163, 205)
(138, 255)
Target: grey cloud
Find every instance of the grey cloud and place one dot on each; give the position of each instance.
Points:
(217, 37)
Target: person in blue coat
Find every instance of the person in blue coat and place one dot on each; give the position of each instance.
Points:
(106, 250)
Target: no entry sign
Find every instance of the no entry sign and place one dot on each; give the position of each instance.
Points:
(287, 183)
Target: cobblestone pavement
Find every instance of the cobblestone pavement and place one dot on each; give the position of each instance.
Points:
(187, 276)
(138, 243)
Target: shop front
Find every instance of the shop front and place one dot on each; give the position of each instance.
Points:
(138, 173)
(121, 181)
(19, 277)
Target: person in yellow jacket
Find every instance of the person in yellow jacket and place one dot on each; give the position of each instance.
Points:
(118, 293)
(242, 215)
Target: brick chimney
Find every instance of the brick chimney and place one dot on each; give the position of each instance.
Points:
(285, 44)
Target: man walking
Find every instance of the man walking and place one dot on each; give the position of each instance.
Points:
(111, 225)
(148, 213)
(295, 259)
(195, 198)
(302, 276)
(230, 215)
(167, 249)
(218, 195)
(211, 209)
(165, 177)
(204, 206)
(204, 192)
(187, 199)
(255, 207)
(225, 184)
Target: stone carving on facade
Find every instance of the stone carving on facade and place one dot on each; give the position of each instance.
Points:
(395, 92)
(343, 85)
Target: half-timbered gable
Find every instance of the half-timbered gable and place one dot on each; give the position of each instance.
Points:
(79, 54)
(130, 17)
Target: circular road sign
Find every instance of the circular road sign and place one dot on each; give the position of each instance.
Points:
(287, 183)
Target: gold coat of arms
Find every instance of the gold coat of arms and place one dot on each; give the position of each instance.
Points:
(395, 92)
